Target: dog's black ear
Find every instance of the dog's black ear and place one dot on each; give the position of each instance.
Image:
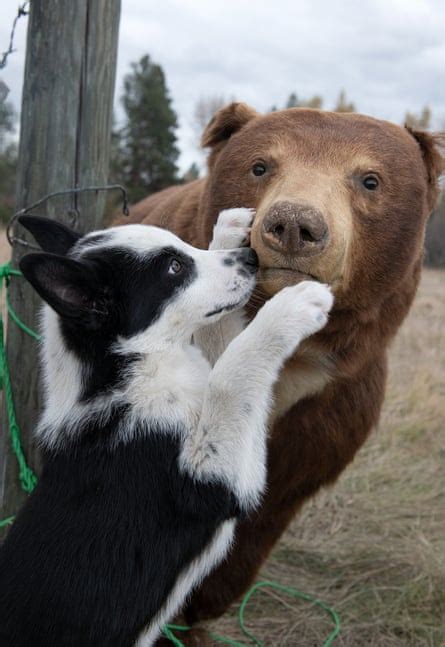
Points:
(52, 236)
(68, 286)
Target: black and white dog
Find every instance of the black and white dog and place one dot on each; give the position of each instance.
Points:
(149, 454)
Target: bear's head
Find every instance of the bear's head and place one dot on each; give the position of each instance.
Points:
(341, 198)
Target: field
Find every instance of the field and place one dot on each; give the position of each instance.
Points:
(373, 546)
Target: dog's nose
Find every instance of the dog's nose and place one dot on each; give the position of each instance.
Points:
(247, 256)
(295, 229)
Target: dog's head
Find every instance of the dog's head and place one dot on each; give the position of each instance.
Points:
(132, 288)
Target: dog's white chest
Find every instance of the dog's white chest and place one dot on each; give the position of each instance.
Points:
(169, 387)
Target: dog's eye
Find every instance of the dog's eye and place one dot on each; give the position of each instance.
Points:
(259, 169)
(175, 266)
(370, 182)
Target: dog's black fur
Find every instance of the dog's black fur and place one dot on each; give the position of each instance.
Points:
(98, 546)
(117, 525)
(149, 453)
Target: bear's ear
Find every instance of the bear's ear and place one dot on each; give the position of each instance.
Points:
(432, 147)
(226, 122)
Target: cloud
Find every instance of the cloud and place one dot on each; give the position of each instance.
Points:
(388, 55)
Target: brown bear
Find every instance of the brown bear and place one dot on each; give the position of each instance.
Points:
(342, 199)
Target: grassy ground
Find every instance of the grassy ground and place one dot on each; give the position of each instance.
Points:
(373, 546)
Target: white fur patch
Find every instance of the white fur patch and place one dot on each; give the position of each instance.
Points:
(232, 230)
(239, 395)
(140, 239)
(62, 379)
(189, 580)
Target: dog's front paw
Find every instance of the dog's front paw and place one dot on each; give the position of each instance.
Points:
(311, 302)
(297, 312)
(232, 229)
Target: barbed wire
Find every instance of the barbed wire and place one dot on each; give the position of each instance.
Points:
(20, 12)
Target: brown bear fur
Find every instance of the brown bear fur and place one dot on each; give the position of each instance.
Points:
(330, 394)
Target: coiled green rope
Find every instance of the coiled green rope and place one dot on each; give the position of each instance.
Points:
(27, 477)
(28, 482)
(168, 629)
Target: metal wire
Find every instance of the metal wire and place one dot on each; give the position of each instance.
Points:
(73, 213)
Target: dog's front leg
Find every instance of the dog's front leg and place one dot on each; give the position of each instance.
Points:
(232, 230)
(229, 445)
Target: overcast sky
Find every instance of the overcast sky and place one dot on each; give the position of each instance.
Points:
(389, 55)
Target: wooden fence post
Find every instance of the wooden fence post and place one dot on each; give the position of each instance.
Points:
(64, 143)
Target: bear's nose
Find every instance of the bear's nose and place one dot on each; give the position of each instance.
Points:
(293, 228)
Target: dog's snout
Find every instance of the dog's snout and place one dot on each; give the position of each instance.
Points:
(247, 256)
(295, 229)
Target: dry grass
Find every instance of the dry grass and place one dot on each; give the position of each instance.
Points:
(373, 546)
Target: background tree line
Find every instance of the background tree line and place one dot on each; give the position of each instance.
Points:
(144, 147)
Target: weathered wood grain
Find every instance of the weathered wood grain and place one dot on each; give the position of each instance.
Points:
(64, 143)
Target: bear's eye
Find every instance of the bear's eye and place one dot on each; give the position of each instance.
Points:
(175, 267)
(259, 168)
(370, 182)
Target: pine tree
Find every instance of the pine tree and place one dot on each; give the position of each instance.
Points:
(191, 174)
(315, 102)
(7, 122)
(147, 151)
(343, 105)
(292, 101)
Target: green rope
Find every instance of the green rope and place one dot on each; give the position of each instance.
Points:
(296, 594)
(27, 477)
(168, 629)
(6, 271)
(19, 323)
(6, 522)
(28, 482)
